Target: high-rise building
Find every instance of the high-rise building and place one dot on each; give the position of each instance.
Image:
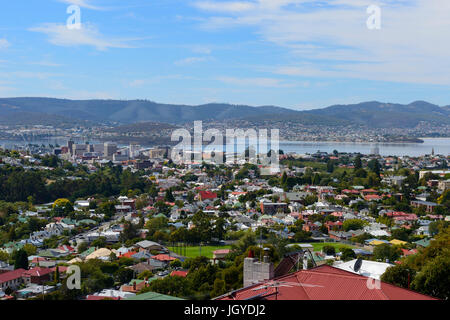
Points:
(80, 149)
(134, 150)
(70, 146)
(109, 149)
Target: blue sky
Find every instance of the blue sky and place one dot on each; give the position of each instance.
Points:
(301, 54)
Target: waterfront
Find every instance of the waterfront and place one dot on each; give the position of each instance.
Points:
(440, 146)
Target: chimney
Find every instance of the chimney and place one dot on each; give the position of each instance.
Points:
(134, 286)
(305, 262)
(266, 258)
(256, 271)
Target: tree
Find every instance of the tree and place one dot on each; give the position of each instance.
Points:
(57, 275)
(283, 179)
(347, 254)
(219, 288)
(61, 203)
(83, 246)
(129, 232)
(358, 164)
(62, 206)
(330, 166)
(329, 250)
(353, 224)
(107, 208)
(174, 286)
(175, 264)
(360, 173)
(386, 252)
(99, 242)
(316, 179)
(433, 279)
(169, 196)
(4, 256)
(12, 234)
(21, 259)
(400, 275)
(202, 226)
(374, 166)
(434, 227)
(302, 235)
(247, 240)
(401, 234)
(29, 249)
(124, 275)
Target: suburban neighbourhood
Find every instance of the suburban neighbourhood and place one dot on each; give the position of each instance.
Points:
(145, 228)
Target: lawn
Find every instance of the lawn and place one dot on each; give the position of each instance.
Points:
(337, 245)
(207, 251)
(192, 252)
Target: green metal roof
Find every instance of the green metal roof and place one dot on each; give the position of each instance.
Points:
(423, 242)
(87, 221)
(135, 280)
(87, 252)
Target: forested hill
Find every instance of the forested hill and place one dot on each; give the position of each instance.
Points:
(372, 114)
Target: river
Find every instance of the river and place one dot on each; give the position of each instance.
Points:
(440, 146)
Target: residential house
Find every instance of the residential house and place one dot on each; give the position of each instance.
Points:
(12, 279)
(427, 205)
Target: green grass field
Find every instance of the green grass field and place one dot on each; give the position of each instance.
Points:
(192, 252)
(319, 245)
(207, 251)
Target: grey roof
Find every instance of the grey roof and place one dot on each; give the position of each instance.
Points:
(141, 255)
(147, 244)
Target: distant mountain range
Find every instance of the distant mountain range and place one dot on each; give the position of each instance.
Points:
(372, 114)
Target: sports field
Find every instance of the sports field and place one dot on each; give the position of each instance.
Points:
(195, 251)
(319, 245)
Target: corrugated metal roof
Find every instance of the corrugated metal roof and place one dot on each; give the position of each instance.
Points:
(323, 283)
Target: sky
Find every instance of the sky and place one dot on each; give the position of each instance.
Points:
(300, 54)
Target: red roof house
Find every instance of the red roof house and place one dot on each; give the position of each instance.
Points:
(128, 254)
(163, 257)
(179, 273)
(372, 197)
(207, 195)
(323, 283)
(38, 275)
(11, 279)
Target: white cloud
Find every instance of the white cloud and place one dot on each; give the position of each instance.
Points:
(189, 61)
(88, 35)
(28, 75)
(86, 95)
(255, 82)
(201, 49)
(137, 83)
(332, 34)
(4, 44)
(45, 63)
(233, 6)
